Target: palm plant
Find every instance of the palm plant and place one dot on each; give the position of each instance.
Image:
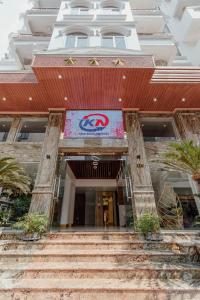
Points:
(183, 157)
(12, 176)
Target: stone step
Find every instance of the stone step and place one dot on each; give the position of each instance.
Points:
(75, 255)
(100, 271)
(96, 235)
(106, 289)
(46, 244)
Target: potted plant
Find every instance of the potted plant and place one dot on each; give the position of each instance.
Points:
(149, 225)
(33, 226)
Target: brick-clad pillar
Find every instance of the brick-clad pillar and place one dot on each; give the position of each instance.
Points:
(13, 130)
(189, 125)
(143, 194)
(42, 199)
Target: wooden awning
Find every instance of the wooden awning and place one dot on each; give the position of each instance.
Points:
(127, 82)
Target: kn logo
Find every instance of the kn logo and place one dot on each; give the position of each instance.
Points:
(94, 122)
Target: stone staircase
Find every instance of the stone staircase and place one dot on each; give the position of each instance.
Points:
(98, 266)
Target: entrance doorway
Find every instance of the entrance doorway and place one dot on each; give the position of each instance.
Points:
(95, 208)
(94, 192)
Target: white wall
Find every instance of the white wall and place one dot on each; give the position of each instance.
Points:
(68, 199)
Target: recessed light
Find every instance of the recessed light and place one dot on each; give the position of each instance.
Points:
(164, 125)
(183, 99)
(30, 98)
(60, 76)
(4, 98)
(4, 125)
(155, 99)
(124, 77)
(65, 98)
(120, 99)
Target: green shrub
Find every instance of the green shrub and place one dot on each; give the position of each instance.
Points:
(32, 224)
(20, 206)
(148, 223)
(4, 217)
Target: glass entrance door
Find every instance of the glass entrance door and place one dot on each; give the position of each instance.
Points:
(125, 194)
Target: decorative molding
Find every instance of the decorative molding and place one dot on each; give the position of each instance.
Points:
(69, 61)
(118, 62)
(94, 61)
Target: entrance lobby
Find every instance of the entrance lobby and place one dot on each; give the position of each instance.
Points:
(94, 191)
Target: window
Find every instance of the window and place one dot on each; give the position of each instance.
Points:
(80, 10)
(107, 41)
(70, 41)
(120, 42)
(82, 41)
(83, 11)
(111, 11)
(4, 129)
(77, 39)
(158, 130)
(32, 131)
(113, 41)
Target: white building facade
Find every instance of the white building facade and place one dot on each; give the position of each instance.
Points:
(168, 30)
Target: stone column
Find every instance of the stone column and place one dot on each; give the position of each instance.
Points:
(42, 195)
(189, 125)
(189, 129)
(13, 130)
(143, 195)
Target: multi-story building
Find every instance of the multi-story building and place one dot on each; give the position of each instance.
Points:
(90, 92)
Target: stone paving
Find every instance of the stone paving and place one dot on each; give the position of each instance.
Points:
(101, 265)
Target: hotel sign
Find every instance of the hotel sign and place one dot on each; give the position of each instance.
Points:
(93, 124)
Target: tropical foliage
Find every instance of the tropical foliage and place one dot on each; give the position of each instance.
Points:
(32, 224)
(183, 157)
(148, 223)
(20, 206)
(12, 176)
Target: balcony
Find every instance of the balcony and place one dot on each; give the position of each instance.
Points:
(41, 20)
(111, 14)
(161, 46)
(143, 4)
(81, 14)
(26, 44)
(190, 24)
(148, 21)
(46, 3)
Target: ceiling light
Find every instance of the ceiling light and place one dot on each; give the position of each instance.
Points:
(60, 76)
(65, 98)
(120, 99)
(155, 99)
(124, 77)
(30, 98)
(164, 125)
(4, 98)
(183, 99)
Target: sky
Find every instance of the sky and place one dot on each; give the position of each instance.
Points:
(10, 21)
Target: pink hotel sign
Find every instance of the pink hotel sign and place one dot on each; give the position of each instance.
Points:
(93, 124)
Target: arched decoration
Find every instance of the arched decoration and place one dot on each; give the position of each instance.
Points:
(112, 4)
(77, 30)
(81, 3)
(115, 30)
